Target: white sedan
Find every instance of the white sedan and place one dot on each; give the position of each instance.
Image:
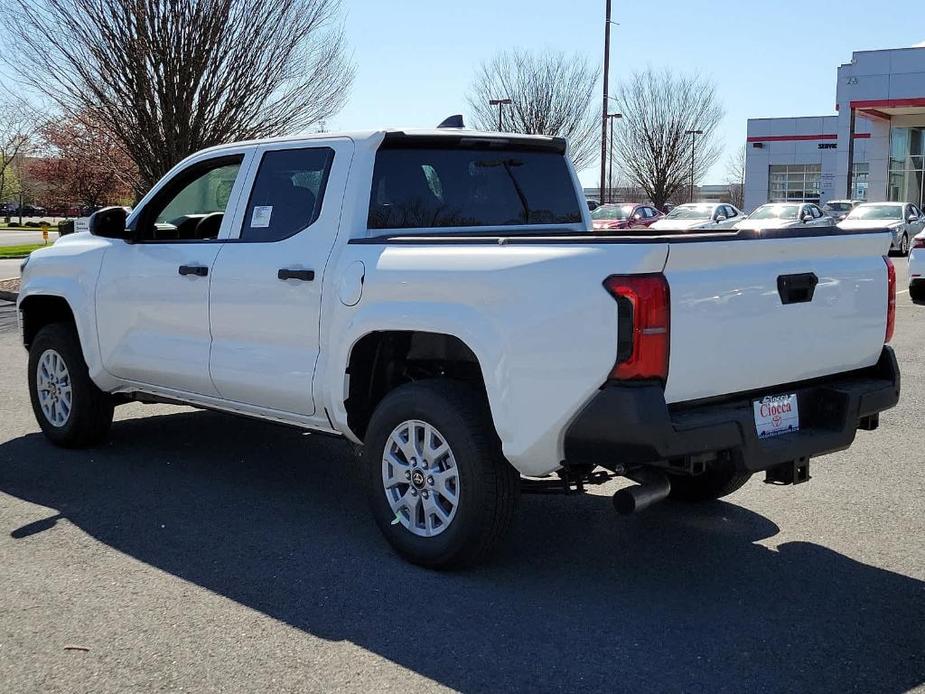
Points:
(786, 215)
(904, 219)
(699, 215)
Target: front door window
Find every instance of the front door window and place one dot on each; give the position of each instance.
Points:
(192, 205)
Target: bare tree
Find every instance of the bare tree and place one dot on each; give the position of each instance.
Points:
(551, 94)
(659, 107)
(169, 78)
(735, 177)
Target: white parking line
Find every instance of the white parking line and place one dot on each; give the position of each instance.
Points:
(904, 291)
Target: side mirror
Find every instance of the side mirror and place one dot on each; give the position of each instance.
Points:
(720, 218)
(912, 218)
(109, 223)
(806, 218)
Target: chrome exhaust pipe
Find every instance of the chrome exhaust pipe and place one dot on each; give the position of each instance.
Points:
(653, 487)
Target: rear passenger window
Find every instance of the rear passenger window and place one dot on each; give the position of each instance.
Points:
(287, 193)
(424, 187)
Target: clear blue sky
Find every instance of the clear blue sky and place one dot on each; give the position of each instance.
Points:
(416, 58)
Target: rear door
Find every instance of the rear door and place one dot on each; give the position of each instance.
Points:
(733, 329)
(265, 306)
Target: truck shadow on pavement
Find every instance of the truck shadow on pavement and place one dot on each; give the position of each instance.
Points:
(677, 599)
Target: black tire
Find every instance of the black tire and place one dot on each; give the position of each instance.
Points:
(719, 480)
(904, 246)
(91, 410)
(917, 292)
(488, 486)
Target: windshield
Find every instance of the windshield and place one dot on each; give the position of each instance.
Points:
(877, 212)
(691, 212)
(612, 212)
(776, 212)
(839, 206)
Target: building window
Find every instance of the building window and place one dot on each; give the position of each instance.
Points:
(861, 181)
(907, 165)
(794, 182)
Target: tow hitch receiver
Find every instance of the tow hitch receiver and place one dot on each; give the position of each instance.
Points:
(791, 472)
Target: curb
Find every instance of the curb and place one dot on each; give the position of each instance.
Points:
(9, 296)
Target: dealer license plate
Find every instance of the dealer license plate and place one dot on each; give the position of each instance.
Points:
(776, 415)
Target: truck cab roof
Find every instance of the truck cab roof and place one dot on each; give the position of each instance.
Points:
(376, 136)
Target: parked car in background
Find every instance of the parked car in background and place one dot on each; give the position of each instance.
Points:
(624, 216)
(839, 209)
(786, 215)
(904, 219)
(917, 269)
(30, 210)
(700, 215)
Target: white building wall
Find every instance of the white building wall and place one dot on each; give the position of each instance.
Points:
(891, 78)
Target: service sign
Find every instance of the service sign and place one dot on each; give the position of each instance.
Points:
(776, 414)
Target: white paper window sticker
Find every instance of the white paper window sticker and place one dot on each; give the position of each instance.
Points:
(260, 219)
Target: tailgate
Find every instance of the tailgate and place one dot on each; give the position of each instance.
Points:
(731, 330)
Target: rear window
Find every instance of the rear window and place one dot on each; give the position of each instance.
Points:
(416, 188)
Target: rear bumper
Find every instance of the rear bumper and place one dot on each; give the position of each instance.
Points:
(628, 425)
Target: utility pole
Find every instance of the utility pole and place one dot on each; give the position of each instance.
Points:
(693, 134)
(500, 103)
(611, 117)
(606, 99)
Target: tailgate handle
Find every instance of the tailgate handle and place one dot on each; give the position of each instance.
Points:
(797, 289)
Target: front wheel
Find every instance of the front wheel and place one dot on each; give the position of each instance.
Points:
(904, 246)
(68, 406)
(439, 488)
(717, 481)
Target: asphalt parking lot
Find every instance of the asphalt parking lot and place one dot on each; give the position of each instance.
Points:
(200, 552)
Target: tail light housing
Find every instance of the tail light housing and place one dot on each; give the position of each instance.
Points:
(918, 242)
(890, 299)
(644, 325)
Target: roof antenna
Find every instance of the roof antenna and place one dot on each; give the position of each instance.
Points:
(453, 122)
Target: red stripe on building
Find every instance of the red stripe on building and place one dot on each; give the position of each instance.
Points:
(889, 103)
(795, 138)
(791, 138)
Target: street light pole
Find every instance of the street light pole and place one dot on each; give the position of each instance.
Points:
(500, 103)
(606, 98)
(611, 117)
(693, 134)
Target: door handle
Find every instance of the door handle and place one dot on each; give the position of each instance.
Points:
(197, 270)
(797, 289)
(301, 275)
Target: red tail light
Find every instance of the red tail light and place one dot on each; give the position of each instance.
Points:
(918, 242)
(890, 299)
(644, 322)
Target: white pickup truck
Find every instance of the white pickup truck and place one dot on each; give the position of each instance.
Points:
(438, 297)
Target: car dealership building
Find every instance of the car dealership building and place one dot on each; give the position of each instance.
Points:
(873, 149)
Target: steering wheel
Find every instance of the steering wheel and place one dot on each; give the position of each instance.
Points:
(208, 226)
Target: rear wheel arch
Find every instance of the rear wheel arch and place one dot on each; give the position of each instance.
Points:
(381, 361)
